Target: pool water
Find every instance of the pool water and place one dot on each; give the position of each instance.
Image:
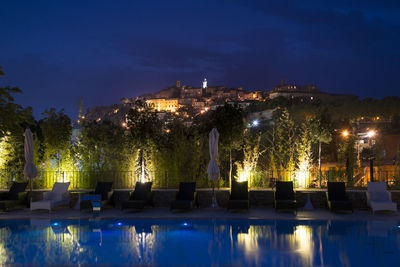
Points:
(199, 242)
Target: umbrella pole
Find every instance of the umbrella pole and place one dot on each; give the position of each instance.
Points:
(30, 187)
(214, 198)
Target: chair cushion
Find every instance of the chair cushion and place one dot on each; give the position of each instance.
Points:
(15, 189)
(239, 191)
(142, 191)
(284, 191)
(377, 186)
(337, 191)
(379, 196)
(186, 190)
(102, 188)
(60, 188)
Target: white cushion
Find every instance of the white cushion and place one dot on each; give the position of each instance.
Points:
(60, 188)
(383, 205)
(41, 205)
(379, 196)
(377, 187)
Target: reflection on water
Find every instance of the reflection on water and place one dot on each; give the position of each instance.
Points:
(201, 242)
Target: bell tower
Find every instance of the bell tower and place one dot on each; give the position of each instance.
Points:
(205, 83)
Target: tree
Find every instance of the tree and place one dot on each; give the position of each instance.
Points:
(322, 135)
(13, 121)
(12, 115)
(56, 131)
(281, 139)
(304, 153)
(251, 152)
(229, 121)
(145, 128)
(347, 154)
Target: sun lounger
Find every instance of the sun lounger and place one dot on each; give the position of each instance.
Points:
(58, 196)
(337, 198)
(139, 198)
(378, 198)
(16, 196)
(104, 193)
(285, 197)
(239, 196)
(186, 197)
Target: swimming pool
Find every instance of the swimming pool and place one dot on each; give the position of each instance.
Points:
(199, 242)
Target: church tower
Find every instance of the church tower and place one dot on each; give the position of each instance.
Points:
(205, 83)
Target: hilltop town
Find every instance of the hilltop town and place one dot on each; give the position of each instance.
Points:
(189, 101)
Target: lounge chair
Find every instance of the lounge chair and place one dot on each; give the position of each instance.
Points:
(58, 196)
(337, 198)
(186, 197)
(285, 199)
(139, 198)
(104, 193)
(239, 197)
(16, 196)
(378, 198)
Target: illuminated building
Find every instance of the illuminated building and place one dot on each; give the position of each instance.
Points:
(163, 104)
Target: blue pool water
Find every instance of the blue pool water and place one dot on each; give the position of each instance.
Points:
(199, 242)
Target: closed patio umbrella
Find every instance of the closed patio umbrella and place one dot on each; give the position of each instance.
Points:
(30, 171)
(213, 170)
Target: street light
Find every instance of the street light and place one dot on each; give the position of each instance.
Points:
(255, 123)
(370, 134)
(345, 133)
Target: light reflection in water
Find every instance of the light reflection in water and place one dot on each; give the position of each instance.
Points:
(259, 237)
(276, 243)
(303, 239)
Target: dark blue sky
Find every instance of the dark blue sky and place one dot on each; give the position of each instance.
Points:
(58, 51)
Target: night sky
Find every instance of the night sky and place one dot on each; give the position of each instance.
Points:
(59, 51)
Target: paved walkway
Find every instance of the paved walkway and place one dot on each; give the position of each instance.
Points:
(202, 213)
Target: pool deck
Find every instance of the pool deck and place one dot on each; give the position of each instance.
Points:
(203, 213)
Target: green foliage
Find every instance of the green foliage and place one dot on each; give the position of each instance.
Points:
(56, 130)
(182, 155)
(252, 150)
(13, 120)
(347, 154)
(143, 124)
(103, 147)
(229, 121)
(304, 156)
(281, 140)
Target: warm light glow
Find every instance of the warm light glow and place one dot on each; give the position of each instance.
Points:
(116, 111)
(163, 104)
(243, 173)
(4, 151)
(302, 176)
(303, 236)
(124, 125)
(98, 119)
(345, 133)
(371, 133)
(249, 241)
